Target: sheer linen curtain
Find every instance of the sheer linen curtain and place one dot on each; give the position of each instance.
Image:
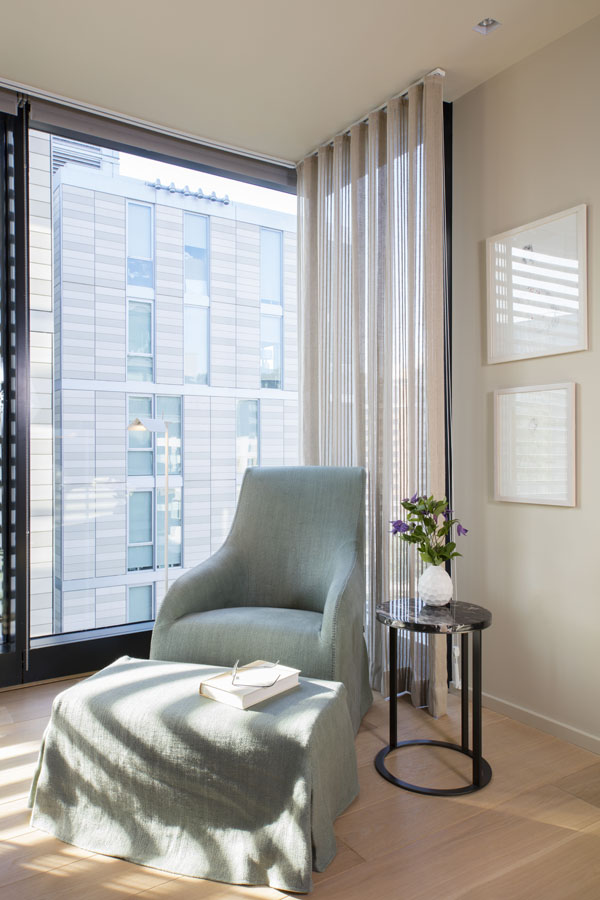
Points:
(371, 217)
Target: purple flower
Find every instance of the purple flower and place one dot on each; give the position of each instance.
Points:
(400, 527)
(461, 530)
(414, 498)
(447, 513)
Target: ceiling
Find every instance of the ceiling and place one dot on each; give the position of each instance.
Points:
(269, 76)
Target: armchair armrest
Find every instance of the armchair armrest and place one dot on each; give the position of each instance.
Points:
(346, 593)
(210, 585)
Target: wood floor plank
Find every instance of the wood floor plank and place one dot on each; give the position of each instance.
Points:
(584, 784)
(30, 703)
(345, 858)
(17, 733)
(14, 819)
(368, 744)
(32, 852)
(15, 782)
(93, 878)
(399, 820)
(553, 806)
(201, 889)
(568, 872)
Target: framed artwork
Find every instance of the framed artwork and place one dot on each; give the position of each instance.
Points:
(534, 431)
(537, 288)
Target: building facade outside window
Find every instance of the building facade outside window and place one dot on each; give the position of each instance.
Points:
(166, 305)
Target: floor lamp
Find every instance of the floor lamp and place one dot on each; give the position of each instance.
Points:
(158, 426)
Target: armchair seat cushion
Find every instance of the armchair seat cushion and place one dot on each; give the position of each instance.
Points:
(251, 632)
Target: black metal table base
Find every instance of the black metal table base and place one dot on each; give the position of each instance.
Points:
(482, 772)
(485, 772)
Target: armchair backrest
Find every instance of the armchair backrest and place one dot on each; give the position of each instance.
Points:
(293, 528)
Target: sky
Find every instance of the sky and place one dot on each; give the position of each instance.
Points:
(239, 192)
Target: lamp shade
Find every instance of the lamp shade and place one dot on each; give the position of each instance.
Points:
(144, 424)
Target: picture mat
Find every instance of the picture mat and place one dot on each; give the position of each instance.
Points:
(535, 444)
(537, 288)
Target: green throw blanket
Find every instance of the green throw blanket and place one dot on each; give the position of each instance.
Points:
(136, 764)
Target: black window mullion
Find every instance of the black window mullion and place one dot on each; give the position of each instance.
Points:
(21, 323)
(12, 200)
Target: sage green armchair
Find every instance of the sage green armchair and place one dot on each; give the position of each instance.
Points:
(288, 583)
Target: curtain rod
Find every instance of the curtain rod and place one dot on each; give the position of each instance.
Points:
(26, 91)
(383, 105)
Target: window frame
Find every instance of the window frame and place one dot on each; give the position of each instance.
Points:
(151, 542)
(256, 400)
(151, 356)
(274, 313)
(278, 231)
(159, 560)
(158, 395)
(189, 297)
(130, 201)
(152, 586)
(206, 309)
(56, 655)
(130, 449)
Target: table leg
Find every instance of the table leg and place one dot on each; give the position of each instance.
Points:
(477, 728)
(393, 687)
(464, 691)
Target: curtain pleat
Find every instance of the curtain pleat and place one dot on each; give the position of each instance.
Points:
(372, 287)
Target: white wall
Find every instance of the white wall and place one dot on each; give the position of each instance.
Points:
(527, 144)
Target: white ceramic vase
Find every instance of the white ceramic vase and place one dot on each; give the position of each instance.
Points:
(435, 586)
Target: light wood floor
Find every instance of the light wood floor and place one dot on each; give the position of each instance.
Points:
(533, 832)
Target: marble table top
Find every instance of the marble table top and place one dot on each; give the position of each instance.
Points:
(414, 615)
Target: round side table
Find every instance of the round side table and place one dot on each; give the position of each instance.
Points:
(455, 618)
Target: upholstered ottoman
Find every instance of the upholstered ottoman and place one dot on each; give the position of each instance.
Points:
(136, 764)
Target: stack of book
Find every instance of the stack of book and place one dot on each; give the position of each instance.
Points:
(246, 686)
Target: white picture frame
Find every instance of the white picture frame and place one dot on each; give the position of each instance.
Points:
(534, 439)
(537, 288)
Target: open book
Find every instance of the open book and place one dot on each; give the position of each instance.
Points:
(253, 683)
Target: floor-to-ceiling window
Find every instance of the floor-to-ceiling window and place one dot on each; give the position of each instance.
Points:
(137, 291)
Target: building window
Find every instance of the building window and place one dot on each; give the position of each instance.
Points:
(246, 437)
(140, 255)
(271, 266)
(140, 603)
(140, 456)
(270, 351)
(140, 363)
(196, 265)
(196, 343)
(169, 410)
(175, 523)
(140, 550)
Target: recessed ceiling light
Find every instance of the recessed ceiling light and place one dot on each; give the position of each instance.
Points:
(486, 25)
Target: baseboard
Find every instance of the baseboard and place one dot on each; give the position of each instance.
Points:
(544, 723)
